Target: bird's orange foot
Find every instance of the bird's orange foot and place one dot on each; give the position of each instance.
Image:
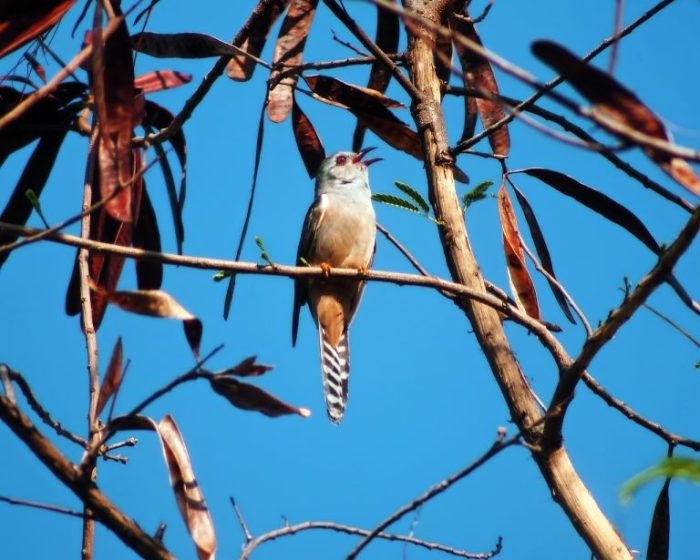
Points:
(363, 270)
(326, 268)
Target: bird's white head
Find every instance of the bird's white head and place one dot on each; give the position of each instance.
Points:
(343, 171)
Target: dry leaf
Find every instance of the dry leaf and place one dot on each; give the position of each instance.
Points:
(288, 51)
(614, 101)
(112, 379)
(241, 67)
(308, 142)
(249, 397)
(478, 74)
(520, 282)
(161, 79)
(188, 494)
(25, 20)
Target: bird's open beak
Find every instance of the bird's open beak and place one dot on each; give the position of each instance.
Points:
(363, 153)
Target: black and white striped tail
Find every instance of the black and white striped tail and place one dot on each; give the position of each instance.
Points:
(335, 370)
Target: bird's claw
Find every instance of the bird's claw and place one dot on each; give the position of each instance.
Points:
(363, 269)
(326, 269)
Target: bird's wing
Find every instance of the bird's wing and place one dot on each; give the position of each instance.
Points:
(313, 220)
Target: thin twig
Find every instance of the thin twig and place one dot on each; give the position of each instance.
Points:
(372, 47)
(497, 446)
(109, 430)
(347, 45)
(251, 199)
(619, 8)
(241, 520)
(654, 427)
(675, 325)
(288, 530)
(41, 505)
(41, 412)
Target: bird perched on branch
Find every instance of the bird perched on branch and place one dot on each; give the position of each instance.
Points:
(339, 232)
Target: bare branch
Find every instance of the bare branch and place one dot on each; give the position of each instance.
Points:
(497, 446)
(288, 530)
(654, 427)
(41, 505)
(617, 318)
(102, 508)
(241, 520)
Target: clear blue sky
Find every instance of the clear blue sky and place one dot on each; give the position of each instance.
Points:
(423, 402)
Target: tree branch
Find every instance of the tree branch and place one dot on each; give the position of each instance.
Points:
(497, 446)
(618, 317)
(327, 525)
(101, 507)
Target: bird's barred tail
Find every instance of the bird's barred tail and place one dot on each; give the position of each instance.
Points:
(335, 370)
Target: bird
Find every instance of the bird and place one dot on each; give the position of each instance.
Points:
(338, 232)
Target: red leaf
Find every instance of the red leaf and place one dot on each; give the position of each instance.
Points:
(478, 74)
(288, 51)
(308, 141)
(520, 282)
(161, 79)
(112, 378)
(113, 88)
(22, 21)
(249, 397)
(240, 67)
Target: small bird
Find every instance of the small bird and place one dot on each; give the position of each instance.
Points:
(339, 231)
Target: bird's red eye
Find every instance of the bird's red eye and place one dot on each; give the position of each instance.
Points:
(341, 160)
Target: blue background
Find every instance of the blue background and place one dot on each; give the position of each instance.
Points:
(423, 401)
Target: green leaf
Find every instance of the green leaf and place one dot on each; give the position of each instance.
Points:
(414, 195)
(34, 201)
(673, 467)
(303, 261)
(476, 194)
(397, 201)
(221, 275)
(263, 252)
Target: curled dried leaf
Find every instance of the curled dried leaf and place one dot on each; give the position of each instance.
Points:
(520, 282)
(188, 494)
(24, 21)
(241, 67)
(288, 51)
(478, 74)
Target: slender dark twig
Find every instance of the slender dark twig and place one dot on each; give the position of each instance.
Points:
(654, 427)
(41, 505)
(498, 446)
(241, 520)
